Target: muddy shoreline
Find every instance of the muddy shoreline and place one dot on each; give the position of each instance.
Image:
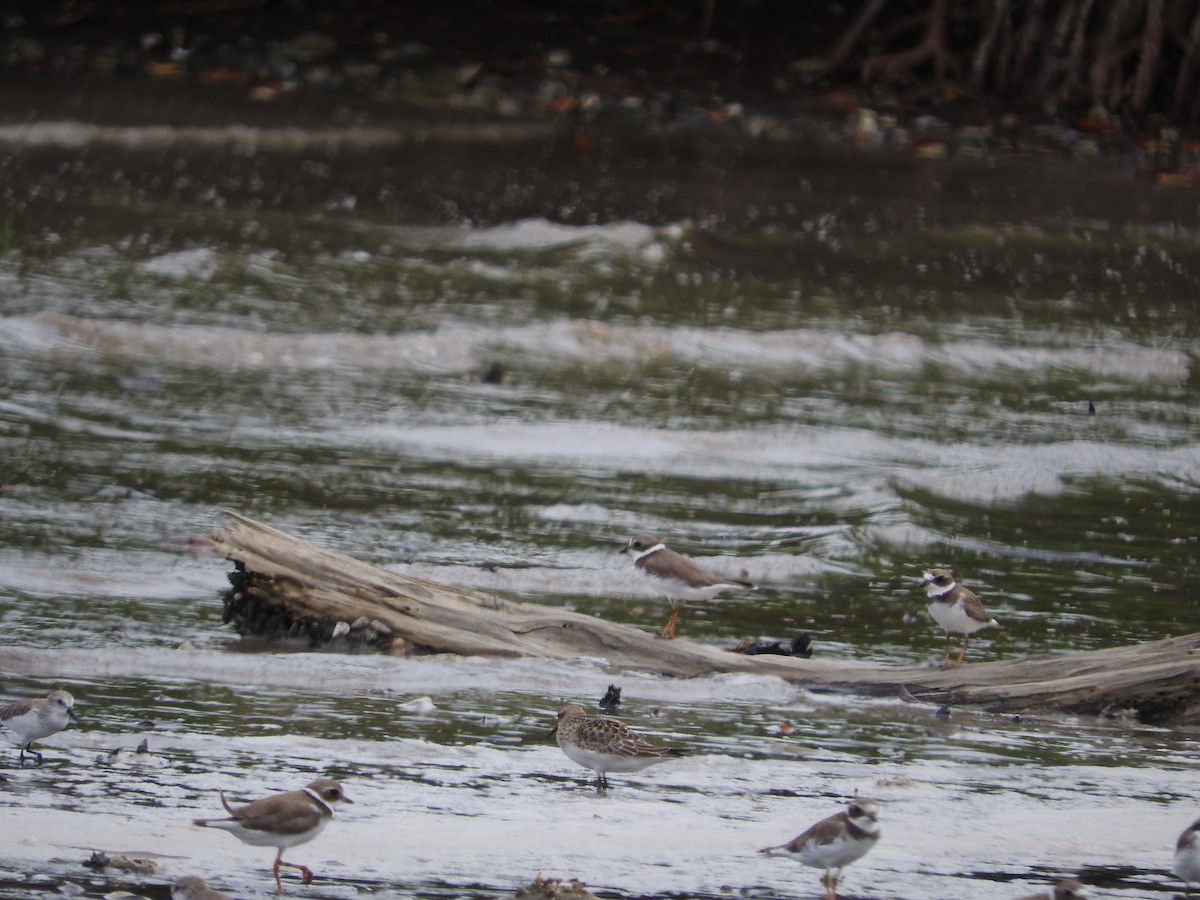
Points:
(99, 145)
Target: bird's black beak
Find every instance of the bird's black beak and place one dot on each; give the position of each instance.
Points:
(71, 713)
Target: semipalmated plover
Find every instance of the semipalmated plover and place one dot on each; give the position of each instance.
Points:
(35, 718)
(283, 820)
(834, 843)
(192, 887)
(604, 744)
(1187, 855)
(1067, 889)
(955, 608)
(676, 576)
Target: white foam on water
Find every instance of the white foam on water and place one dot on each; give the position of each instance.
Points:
(977, 473)
(459, 345)
(199, 263)
(75, 134)
(542, 234)
(120, 575)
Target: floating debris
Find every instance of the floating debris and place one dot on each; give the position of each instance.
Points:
(800, 646)
(543, 888)
(99, 860)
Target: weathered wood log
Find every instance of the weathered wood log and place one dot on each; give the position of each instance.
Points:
(283, 586)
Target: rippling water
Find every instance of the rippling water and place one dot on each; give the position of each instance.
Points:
(824, 373)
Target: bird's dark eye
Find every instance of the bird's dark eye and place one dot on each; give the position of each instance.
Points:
(333, 793)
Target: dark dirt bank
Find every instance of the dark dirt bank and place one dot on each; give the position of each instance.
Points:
(689, 66)
(577, 112)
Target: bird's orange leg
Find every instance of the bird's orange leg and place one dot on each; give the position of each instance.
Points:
(275, 869)
(305, 872)
(668, 630)
(962, 655)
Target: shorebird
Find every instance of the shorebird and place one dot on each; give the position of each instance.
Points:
(35, 718)
(834, 843)
(676, 576)
(604, 744)
(283, 821)
(955, 608)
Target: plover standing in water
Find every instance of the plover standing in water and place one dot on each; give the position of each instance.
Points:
(36, 718)
(604, 744)
(834, 843)
(283, 821)
(955, 608)
(676, 576)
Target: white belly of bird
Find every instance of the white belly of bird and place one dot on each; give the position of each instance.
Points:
(267, 839)
(607, 762)
(953, 617)
(674, 589)
(837, 853)
(32, 726)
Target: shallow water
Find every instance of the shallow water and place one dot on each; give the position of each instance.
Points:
(822, 372)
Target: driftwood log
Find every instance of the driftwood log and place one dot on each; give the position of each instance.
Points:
(283, 586)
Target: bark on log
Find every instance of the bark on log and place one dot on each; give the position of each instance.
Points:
(285, 586)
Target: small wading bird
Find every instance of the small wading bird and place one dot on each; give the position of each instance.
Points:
(834, 843)
(283, 821)
(1187, 855)
(605, 745)
(676, 576)
(36, 718)
(1067, 889)
(955, 608)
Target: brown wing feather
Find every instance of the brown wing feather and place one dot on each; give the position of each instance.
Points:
(974, 606)
(602, 730)
(290, 813)
(17, 708)
(667, 562)
(823, 832)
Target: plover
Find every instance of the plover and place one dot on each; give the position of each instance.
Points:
(283, 821)
(955, 608)
(36, 718)
(834, 843)
(604, 744)
(1067, 889)
(192, 887)
(676, 576)
(1187, 855)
